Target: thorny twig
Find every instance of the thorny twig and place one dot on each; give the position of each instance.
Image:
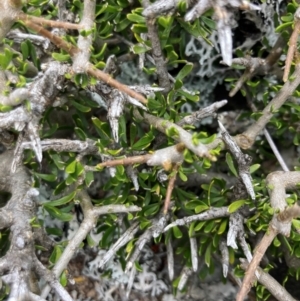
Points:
(124, 239)
(19, 37)
(202, 113)
(246, 139)
(277, 183)
(170, 258)
(91, 215)
(257, 65)
(222, 15)
(155, 230)
(275, 151)
(292, 45)
(277, 290)
(184, 276)
(50, 23)
(271, 143)
(115, 99)
(161, 68)
(243, 161)
(235, 227)
(163, 157)
(251, 64)
(170, 188)
(194, 253)
(84, 44)
(89, 68)
(37, 145)
(207, 215)
(224, 257)
(181, 134)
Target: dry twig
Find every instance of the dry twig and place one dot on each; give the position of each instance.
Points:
(292, 46)
(89, 68)
(170, 188)
(277, 183)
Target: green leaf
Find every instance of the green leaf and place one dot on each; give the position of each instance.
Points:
(34, 223)
(172, 56)
(50, 131)
(208, 255)
(207, 140)
(144, 142)
(133, 133)
(209, 226)
(296, 224)
(54, 231)
(89, 178)
(63, 279)
(209, 22)
(138, 29)
(5, 58)
(145, 225)
(177, 233)
(151, 209)
(156, 105)
(81, 80)
(283, 26)
(106, 30)
(236, 205)
(287, 18)
(80, 107)
(276, 242)
(191, 229)
(101, 9)
(114, 152)
(130, 246)
(231, 164)
(70, 169)
(24, 50)
(58, 161)
(182, 176)
(102, 128)
(120, 26)
(138, 266)
(254, 168)
(80, 133)
(136, 18)
(90, 241)
(70, 179)
(100, 55)
(61, 57)
(79, 169)
(201, 208)
(172, 132)
(53, 211)
(196, 29)
(107, 237)
(48, 178)
(57, 251)
(165, 21)
(185, 71)
(223, 227)
(64, 200)
(188, 95)
(138, 49)
(176, 282)
(4, 108)
(178, 84)
(86, 33)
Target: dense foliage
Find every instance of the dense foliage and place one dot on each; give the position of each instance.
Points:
(124, 172)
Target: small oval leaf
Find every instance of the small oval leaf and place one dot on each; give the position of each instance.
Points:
(230, 164)
(236, 205)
